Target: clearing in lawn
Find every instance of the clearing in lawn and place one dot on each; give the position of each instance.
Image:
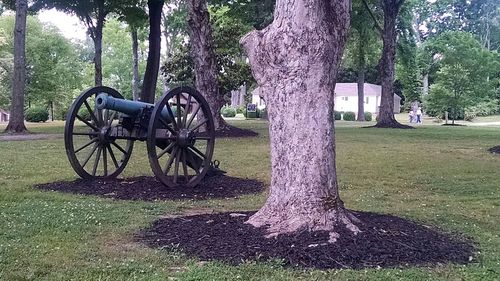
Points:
(441, 177)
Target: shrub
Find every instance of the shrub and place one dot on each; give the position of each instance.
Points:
(37, 114)
(338, 115)
(349, 116)
(368, 116)
(228, 111)
(240, 109)
(84, 114)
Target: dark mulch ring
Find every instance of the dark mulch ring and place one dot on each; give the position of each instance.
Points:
(235, 132)
(385, 241)
(150, 189)
(455, 125)
(495, 149)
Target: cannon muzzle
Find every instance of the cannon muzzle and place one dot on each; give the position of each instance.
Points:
(132, 108)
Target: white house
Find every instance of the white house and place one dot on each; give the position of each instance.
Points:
(346, 98)
(4, 116)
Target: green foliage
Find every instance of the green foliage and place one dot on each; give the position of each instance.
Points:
(228, 111)
(463, 74)
(53, 69)
(349, 116)
(233, 70)
(117, 57)
(36, 114)
(368, 116)
(337, 115)
(240, 109)
(84, 114)
(452, 92)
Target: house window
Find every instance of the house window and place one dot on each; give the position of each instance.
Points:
(344, 98)
(366, 100)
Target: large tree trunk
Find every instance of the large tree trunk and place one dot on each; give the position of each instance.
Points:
(16, 121)
(203, 55)
(386, 117)
(153, 64)
(295, 61)
(135, 71)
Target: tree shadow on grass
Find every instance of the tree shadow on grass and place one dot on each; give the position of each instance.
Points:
(495, 149)
(150, 189)
(385, 241)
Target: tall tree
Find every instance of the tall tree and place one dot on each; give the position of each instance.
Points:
(153, 63)
(205, 62)
(363, 46)
(93, 14)
(136, 18)
(390, 8)
(16, 121)
(295, 61)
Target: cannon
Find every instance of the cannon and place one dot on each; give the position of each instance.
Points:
(101, 128)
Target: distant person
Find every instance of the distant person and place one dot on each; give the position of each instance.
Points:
(419, 115)
(411, 115)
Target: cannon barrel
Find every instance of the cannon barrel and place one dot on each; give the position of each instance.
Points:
(132, 108)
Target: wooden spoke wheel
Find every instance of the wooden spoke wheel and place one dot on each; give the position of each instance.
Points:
(181, 138)
(92, 152)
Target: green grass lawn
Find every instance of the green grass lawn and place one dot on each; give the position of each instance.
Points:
(438, 176)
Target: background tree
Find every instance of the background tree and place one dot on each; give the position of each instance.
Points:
(119, 70)
(153, 62)
(452, 93)
(232, 69)
(136, 19)
(295, 61)
(461, 51)
(204, 59)
(361, 50)
(93, 14)
(390, 8)
(16, 121)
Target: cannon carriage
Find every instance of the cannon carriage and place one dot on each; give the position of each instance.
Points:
(101, 128)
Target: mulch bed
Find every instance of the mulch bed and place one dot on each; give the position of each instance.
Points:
(235, 132)
(495, 149)
(150, 189)
(385, 241)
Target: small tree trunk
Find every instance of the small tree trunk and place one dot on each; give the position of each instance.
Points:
(135, 74)
(425, 84)
(16, 120)
(98, 49)
(52, 111)
(361, 78)
(205, 62)
(153, 64)
(386, 117)
(295, 60)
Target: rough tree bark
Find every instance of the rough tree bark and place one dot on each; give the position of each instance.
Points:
(16, 121)
(153, 63)
(135, 71)
(295, 61)
(386, 117)
(203, 55)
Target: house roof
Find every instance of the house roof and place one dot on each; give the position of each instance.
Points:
(4, 111)
(351, 89)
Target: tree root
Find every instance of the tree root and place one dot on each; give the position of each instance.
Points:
(319, 220)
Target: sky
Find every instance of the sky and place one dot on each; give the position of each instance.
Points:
(69, 25)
